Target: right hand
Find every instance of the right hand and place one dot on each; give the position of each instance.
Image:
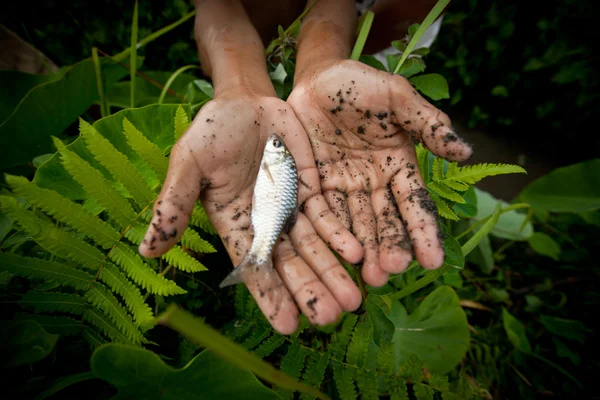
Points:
(217, 159)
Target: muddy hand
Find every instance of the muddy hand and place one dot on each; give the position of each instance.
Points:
(362, 124)
(217, 160)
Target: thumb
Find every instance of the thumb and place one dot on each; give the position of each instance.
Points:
(175, 203)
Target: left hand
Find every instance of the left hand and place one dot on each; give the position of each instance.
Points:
(362, 124)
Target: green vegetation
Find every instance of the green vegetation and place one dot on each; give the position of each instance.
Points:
(509, 315)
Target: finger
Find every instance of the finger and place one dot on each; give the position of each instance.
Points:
(420, 214)
(364, 227)
(172, 210)
(394, 243)
(426, 123)
(331, 229)
(311, 295)
(338, 204)
(325, 265)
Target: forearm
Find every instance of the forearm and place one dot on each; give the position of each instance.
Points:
(327, 34)
(230, 50)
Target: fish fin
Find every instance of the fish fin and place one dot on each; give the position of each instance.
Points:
(265, 167)
(239, 273)
(289, 224)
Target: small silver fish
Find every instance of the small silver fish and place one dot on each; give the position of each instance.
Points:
(274, 210)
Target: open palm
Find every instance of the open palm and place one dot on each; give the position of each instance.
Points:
(362, 124)
(217, 159)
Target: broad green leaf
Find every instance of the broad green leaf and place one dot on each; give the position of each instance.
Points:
(562, 350)
(574, 188)
(154, 121)
(545, 245)
(453, 278)
(412, 66)
(148, 88)
(482, 255)
(141, 374)
(279, 74)
(509, 224)
(48, 109)
(437, 332)
(433, 86)
(591, 217)
(469, 208)
(567, 328)
(24, 342)
(383, 328)
(516, 332)
(453, 253)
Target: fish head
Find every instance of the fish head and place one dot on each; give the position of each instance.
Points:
(275, 150)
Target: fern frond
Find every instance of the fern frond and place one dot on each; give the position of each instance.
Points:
(136, 233)
(359, 345)
(344, 381)
(141, 273)
(119, 284)
(181, 122)
(57, 241)
(35, 268)
(53, 302)
(293, 364)
(413, 369)
(192, 240)
(366, 380)
(97, 318)
(472, 174)
(385, 358)
(456, 185)
(93, 338)
(423, 392)
(255, 338)
(150, 153)
(182, 260)
(340, 339)
(64, 210)
(55, 324)
(269, 346)
(102, 298)
(315, 371)
(398, 389)
(446, 192)
(439, 382)
(423, 162)
(200, 219)
(96, 185)
(438, 169)
(443, 208)
(117, 164)
(240, 300)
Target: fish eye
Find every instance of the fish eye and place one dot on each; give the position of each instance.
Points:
(276, 143)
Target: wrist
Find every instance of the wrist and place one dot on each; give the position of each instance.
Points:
(229, 48)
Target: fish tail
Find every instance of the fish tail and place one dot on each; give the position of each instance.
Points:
(245, 269)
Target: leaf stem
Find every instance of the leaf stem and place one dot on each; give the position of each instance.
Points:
(364, 28)
(171, 79)
(100, 83)
(133, 53)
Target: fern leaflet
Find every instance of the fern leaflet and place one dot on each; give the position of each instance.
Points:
(192, 240)
(256, 338)
(57, 241)
(472, 174)
(315, 371)
(35, 268)
(340, 339)
(182, 260)
(444, 209)
(148, 151)
(398, 389)
(102, 298)
(181, 122)
(117, 164)
(96, 185)
(413, 369)
(439, 382)
(359, 345)
(200, 219)
(96, 318)
(141, 274)
(92, 337)
(446, 192)
(366, 380)
(423, 392)
(344, 381)
(269, 346)
(53, 302)
(293, 364)
(64, 210)
(129, 292)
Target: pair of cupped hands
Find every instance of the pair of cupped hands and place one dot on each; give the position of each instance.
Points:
(351, 130)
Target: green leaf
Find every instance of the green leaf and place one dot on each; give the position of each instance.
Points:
(182, 122)
(279, 74)
(52, 302)
(567, 328)
(516, 332)
(472, 174)
(197, 331)
(155, 121)
(372, 62)
(445, 192)
(453, 253)
(357, 349)
(383, 327)
(101, 321)
(412, 66)
(292, 364)
(65, 382)
(433, 86)
(315, 371)
(563, 351)
(48, 109)
(148, 151)
(437, 332)
(54, 324)
(24, 342)
(139, 373)
(182, 260)
(545, 245)
(509, 224)
(423, 392)
(15, 85)
(574, 188)
(469, 208)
